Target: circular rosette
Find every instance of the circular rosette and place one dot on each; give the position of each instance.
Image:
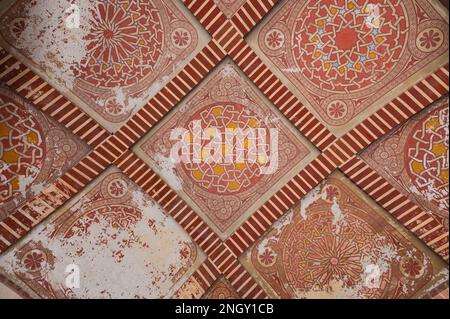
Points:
(266, 257)
(331, 193)
(125, 43)
(338, 111)
(275, 40)
(430, 37)
(412, 267)
(314, 258)
(117, 188)
(33, 261)
(181, 37)
(341, 46)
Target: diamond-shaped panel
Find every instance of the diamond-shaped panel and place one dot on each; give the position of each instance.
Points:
(34, 151)
(225, 192)
(336, 243)
(414, 159)
(110, 57)
(121, 241)
(346, 59)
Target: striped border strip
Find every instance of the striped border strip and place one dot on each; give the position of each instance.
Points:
(281, 202)
(140, 173)
(440, 292)
(241, 280)
(20, 222)
(203, 278)
(221, 257)
(280, 95)
(250, 13)
(46, 98)
(231, 40)
(170, 95)
(424, 225)
(397, 111)
(208, 14)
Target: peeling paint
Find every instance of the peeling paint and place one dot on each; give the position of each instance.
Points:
(62, 56)
(167, 170)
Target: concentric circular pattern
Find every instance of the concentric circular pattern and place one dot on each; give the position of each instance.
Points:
(337, 109)
(34, 260)
(181, 38)
(313, 256)
(343, 46)
(227, 178)
(125, 44)
(274, 39)
(117, 188)
(22, 150)
(430, 39)
(426, 157)
(411, 267)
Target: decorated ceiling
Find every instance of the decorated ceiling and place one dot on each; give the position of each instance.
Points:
(224, 149)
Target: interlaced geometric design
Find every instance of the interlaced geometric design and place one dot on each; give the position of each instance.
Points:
(223, 256)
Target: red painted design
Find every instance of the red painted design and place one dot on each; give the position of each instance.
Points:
(352, 52)
(333, 245)
(223, 191)
(221, 289)
(229, 7)
(414, 159)
(226, 178)
(125, 44)
(23, 148)
(113, 231)
(34, 151)
(426, 156)
(127, 50)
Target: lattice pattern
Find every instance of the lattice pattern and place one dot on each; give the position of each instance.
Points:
(223, 256)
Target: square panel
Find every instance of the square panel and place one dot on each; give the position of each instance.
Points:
(121, 241)
(225, 186)
(414, 159)
(348, 58)
(34, 151)
(108, 57)
(337, 243)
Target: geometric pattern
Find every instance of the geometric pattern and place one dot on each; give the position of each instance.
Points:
(333, 244)
(343, 56)
(229, 7)
(122, 51)
(221, 290)
(225, 191)
(34, 151)
(414, 158)
(416, 263)
(103, 230)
